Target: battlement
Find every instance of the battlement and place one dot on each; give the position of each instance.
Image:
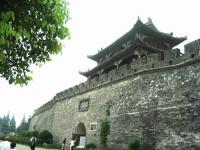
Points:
(152, 63)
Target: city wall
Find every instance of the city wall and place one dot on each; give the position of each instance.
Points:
(155, 101)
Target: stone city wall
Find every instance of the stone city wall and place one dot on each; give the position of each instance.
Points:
(157, 102)
(171, 57)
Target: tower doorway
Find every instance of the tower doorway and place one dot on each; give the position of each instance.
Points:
(80, 135)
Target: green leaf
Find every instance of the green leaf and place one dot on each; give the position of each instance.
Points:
(2, 56)
(30, 32)
(7, 15)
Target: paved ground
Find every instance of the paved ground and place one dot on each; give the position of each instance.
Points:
(23, 147)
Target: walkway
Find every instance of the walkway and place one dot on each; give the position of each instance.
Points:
(23, 147)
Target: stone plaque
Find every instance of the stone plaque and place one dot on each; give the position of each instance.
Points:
(93, 126)
(83, 105)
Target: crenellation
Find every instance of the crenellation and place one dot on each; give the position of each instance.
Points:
(177, 52)
(103, 77)
(182, 58)
(117, 74)
(73, 91)
(66, 92)
(136, 61)
(69, 93)
(171, 57)
(88, 85)
(54, 98)
(122, 70)
(111, 75)
(77, 89)
(59, 95)
(83, 87)
(172, 54)
(134, 67)
(93, 81)
(62, 94)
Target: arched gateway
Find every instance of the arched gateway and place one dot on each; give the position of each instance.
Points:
(80, 135)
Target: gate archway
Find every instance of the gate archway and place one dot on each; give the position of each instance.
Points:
(80, 135)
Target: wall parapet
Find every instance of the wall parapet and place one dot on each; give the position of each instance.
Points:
(173, 59)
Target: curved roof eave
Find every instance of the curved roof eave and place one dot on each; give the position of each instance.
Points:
(139, 26)
(120, 54)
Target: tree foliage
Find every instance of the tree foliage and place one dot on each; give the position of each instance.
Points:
(45, 137)
(7, 125)
(30, 32)
(13, 124)
(133, 144)
(104, 132)
(24, 125)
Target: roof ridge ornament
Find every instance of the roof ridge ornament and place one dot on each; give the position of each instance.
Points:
(149, 19)
(150, 24)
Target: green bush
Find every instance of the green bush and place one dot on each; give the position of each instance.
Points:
(52, 146)
(34, 133)
(85, 149)
(25, 133)
(134, 144)
(26, 141)
(2, 138)
(105, 130)
(45, 137)
(29, 133)
(91, 146)
(19, 139)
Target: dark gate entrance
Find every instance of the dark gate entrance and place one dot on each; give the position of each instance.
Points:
(80, 135)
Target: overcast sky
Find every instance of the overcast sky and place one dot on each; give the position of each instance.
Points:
(95, 24)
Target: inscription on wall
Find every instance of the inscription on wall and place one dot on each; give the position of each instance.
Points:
(93, 126)
(84, 105)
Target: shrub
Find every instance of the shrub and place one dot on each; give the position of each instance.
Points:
(28, 133)
(34, 133)
(45, 137)
(20, 139)
(91, 146)
(133, 144)
(52, 146)
(84, 149)
(105, 130)
(25, 133)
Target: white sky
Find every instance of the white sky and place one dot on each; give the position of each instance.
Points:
(95, 24)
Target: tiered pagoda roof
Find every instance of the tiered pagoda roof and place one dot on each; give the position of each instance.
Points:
(132, 39)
